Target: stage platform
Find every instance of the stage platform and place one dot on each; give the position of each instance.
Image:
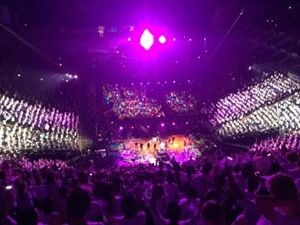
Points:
(150, 150)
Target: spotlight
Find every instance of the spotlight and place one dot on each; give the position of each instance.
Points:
(129, 39)
(121, 128)
(76, 77)
(162, 124)
(146, 40)
(162, 39)
(173, 123)
(174, 39)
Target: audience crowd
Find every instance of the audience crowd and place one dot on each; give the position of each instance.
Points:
(256, 187)
(133, 103)
(282, 116)
(181, 102)
(130, 103)
(242, 103)
(25, 125)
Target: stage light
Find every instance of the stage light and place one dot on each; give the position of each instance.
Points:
(146, 40)
(121, 128)
(129, 39)
(162, 124)
(162, 39)
(173, 124)
(75, 76)
(174, 39)
(19, 75)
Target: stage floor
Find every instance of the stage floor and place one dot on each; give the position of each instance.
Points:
(144, 150)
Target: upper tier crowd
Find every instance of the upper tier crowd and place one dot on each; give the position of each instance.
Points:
(130, 103)
(282, 116)
(258, 187)
(181, 102)
(240, 104)
(133, 103)
(25, 125)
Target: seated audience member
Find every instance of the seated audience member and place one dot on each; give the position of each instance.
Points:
(131, 213)
(78, 204)
(295, 173)
(212, 213)
(282, 207)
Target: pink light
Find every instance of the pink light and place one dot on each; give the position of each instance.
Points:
(162, 124)
(174, 39)
(162, 39)
(146, 40)
(129, 39)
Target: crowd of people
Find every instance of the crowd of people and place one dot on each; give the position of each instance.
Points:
(28, 125)
(181, 102)
(130, 103)
(282, 116)
(133, 103)
(260, 187)
(242, 103)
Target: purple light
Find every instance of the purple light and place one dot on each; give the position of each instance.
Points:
(162, 124)
(162, 39)
(173, 123)
(146, 40)
(129, 39)
(174, 39)
(121, 128)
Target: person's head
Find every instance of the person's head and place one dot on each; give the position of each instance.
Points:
(192, 193)
(282, 186)
(63, 192)
(264, 154)
(173, 212)
(170, 178)
(213, 213)
(292, 157)
(213, 195)
(274, 168)
(237, 168)
(28, 217)
(158, 191)
(98, 189)
(21, 187)
(219, 181)
(129, 206)
(2, 175)
(206, 168)
(252, 184)
(78, 203)
(50, 178)
(38, 180)
(247, 170)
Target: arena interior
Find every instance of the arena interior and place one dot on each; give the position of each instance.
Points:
(150, 112)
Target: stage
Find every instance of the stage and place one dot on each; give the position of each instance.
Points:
(177, 147)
